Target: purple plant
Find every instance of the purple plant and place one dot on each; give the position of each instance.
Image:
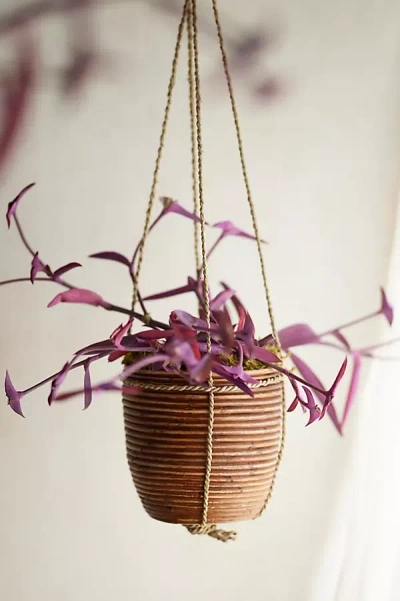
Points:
(181, 345)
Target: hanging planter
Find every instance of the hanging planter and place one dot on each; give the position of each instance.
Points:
(203, 395)
(166, 424)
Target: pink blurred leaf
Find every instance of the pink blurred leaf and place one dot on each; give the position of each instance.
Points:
(339, 336)
(17, 91)
(200, 372)
(297, 335)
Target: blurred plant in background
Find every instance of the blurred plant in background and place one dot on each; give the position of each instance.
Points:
(86, 58)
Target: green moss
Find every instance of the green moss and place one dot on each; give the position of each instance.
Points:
(230, 360)
(130, 358)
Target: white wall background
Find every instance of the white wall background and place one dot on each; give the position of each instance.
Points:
(323, 162)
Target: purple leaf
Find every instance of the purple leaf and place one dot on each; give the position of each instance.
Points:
(180, 351)
(18, 89)
(190, 321)
(386, 308)
(297, 335)
(233, 378)
(37, 266)
(339, 336)
(332, 390)
(154, 334)
(142, 363)
(115, 355)
(65, 268)
(172, 206)
(312, 407)
(112, 256)
(353, 387)
(263, 354)
(79, 295)
(168, 293)
(14, 397)
(120, 332)
(12, 206)
(221, 299)
(229, 229)
(97, 347)
(200, 372)
(87, 386)
(185, 334)
(246, 333)
(307, 373)
(226, 331)
(57, 382)
(293, 405)
(105, 386)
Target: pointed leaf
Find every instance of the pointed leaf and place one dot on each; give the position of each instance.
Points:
(386, 308)
(87, 386)
(119, 333)
(13, 395)
(172, 206)
(201, 370)
(168, 293)
(230, 229)
(221, 299)
(57, 382)
(65, 268)
(297, 335)
(312, 407)
(112, 256)
(332, 390)
(79, 295)
(37, 266)
(263, 354)
(307, 373)
(13, 205)
(339, 336)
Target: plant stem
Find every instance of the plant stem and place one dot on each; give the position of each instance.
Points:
(350, 323)
(291, 375)
(152, 323)
(22, 236)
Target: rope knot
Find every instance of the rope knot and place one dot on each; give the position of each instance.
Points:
(212, 530)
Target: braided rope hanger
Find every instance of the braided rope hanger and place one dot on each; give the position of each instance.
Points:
(189, 16)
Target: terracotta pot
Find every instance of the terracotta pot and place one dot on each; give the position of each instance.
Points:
(166, 440)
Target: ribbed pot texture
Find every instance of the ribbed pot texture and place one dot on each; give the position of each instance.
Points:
(166, 441)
